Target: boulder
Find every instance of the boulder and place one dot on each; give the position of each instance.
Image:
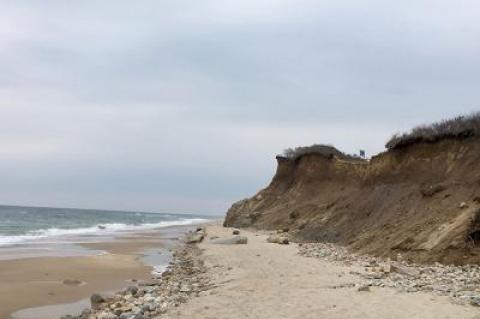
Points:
(278, 240)
(194, 238)
(235, 240)
(236, 232)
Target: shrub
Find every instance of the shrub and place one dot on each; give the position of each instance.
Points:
(458, 127)
(318, 149)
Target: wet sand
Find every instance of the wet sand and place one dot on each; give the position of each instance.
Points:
(35, 282)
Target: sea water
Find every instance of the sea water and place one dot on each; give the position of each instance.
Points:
(31, 224)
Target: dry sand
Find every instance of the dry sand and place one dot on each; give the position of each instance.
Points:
(262, 280)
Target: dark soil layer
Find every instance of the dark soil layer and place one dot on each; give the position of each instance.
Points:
(422, 201)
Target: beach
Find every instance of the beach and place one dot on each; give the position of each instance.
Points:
(265, 280)
(64, 283)
(261, 279)
(210, 279)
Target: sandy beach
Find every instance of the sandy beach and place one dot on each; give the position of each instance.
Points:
(208, 280)
(39, 281)
(42, 281)
(264, 280)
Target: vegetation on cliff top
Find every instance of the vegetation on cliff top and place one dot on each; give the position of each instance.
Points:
(458, 127)
(327, 151)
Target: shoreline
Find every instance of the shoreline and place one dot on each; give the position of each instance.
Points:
(33, 282)
(268, 280)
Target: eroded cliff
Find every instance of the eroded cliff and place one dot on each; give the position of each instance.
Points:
(422, 201)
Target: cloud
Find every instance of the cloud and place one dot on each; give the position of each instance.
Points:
(182, 105)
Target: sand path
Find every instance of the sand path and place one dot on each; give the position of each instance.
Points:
(261, 280)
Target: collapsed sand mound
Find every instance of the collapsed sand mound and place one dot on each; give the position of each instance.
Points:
(420, 200)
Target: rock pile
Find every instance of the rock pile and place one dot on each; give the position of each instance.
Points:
(462, 283)
(185, 277)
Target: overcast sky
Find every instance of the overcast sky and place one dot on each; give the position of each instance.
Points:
(181, 106)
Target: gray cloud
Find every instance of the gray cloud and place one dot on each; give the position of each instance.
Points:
(182, 105)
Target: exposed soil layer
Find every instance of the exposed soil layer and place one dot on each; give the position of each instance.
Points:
(422, 201)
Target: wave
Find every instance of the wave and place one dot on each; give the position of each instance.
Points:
(100, 229)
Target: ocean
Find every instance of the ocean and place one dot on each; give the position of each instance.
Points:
(30, 225)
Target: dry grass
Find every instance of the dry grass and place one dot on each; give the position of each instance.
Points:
(459, 127)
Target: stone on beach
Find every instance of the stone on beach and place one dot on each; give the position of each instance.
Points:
(364, 288)
(132, 290)
(194, 238)
(96, 300)
(186, 277)
(278, 240)
(235, 240)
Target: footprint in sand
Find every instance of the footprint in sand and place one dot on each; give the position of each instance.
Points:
(73, 282)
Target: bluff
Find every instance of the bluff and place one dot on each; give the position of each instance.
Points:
(420, 200)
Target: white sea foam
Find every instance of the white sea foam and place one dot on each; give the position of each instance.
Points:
(101, 229)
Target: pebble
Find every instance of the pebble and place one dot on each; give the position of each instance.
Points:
(186, 277)
(461, 283)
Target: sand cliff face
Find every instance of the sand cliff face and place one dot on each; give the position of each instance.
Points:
(422, 201)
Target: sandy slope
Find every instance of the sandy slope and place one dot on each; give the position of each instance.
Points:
(262, 280)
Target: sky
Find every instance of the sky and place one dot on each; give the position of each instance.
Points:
(181, 106)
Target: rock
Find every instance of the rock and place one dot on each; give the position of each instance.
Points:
(72, 282)
(151, 282)
(132, 290)
(403, 270)
(475, 302)
(106, 315)
(278, 240)
(126, 316)
(364, 288)
(236, 232)
(387, 268)
(463, 205)
(101, 227)
(236, 240)
(96, 300)
(185, 288)
(194, 238)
